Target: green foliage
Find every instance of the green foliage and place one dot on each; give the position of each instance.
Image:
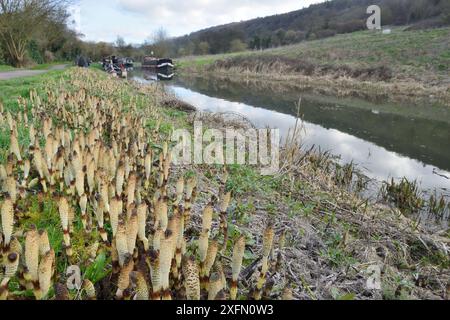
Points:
(34, 52)
(4, 68)
(98, 270)
(237, 45)
(406, 195)
(244, 179)
(43, 214)
(338, 295)
(335, 252)
(203, 48)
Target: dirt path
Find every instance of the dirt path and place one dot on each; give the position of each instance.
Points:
(28, 73)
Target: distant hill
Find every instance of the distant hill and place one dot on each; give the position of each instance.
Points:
(315, 22)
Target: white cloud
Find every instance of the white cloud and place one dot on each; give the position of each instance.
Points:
(187, 16)
(137, 19)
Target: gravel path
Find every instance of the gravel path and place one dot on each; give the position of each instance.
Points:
(27, 73)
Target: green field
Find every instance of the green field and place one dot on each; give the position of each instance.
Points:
(414, 54)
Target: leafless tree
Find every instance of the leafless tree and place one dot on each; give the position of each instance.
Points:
(160, 43)
(20, 20)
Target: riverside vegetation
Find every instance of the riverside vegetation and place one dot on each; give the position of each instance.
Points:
(406, 65)
(87, 180)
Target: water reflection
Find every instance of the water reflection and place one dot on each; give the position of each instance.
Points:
(150, 75)
(386, 145)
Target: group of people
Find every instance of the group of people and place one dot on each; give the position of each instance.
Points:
(113, 65)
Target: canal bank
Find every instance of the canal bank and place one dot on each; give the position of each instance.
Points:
(385, 140)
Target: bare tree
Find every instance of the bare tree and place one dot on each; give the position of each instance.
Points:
(120, 42)
(20, 20)
(160, 42)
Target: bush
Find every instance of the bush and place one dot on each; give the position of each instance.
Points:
(325, 33)
(33, 52)
(237, 45)
(49, 56)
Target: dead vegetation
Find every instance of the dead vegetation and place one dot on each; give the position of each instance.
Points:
(378, 83)
(284, 66)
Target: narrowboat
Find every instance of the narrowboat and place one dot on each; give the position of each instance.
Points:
(164, 66)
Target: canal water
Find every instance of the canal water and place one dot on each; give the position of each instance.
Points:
(385, 140)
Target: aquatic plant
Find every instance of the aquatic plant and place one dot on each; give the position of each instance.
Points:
(406, 195)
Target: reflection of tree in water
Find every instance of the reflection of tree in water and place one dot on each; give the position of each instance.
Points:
(418, 138)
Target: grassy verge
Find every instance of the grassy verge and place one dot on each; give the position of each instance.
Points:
(46, 66)
(406, 64)
(198, 62)
(20, 87)
(323, 236)
(4, 68)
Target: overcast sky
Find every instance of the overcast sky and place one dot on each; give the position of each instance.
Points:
(137, 20)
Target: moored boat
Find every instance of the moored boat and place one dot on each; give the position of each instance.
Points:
(161, 65)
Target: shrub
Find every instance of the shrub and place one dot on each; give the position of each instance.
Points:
(49, 56)
(34, 53)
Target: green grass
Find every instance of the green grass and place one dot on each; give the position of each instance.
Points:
(10, 90)
(46, 66)
(201, 61)
(96, 66)
(4, 68)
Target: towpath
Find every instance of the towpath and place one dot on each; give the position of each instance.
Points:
(28, 73)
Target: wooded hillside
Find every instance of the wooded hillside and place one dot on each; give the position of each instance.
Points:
(315, 22)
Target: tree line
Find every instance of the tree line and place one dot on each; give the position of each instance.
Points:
(315, 22)
(39, 31)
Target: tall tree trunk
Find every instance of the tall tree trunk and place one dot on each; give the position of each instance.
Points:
(15, 51)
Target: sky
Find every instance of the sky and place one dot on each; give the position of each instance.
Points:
(137, 20)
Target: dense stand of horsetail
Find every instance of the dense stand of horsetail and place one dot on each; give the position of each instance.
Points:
(114, 189)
